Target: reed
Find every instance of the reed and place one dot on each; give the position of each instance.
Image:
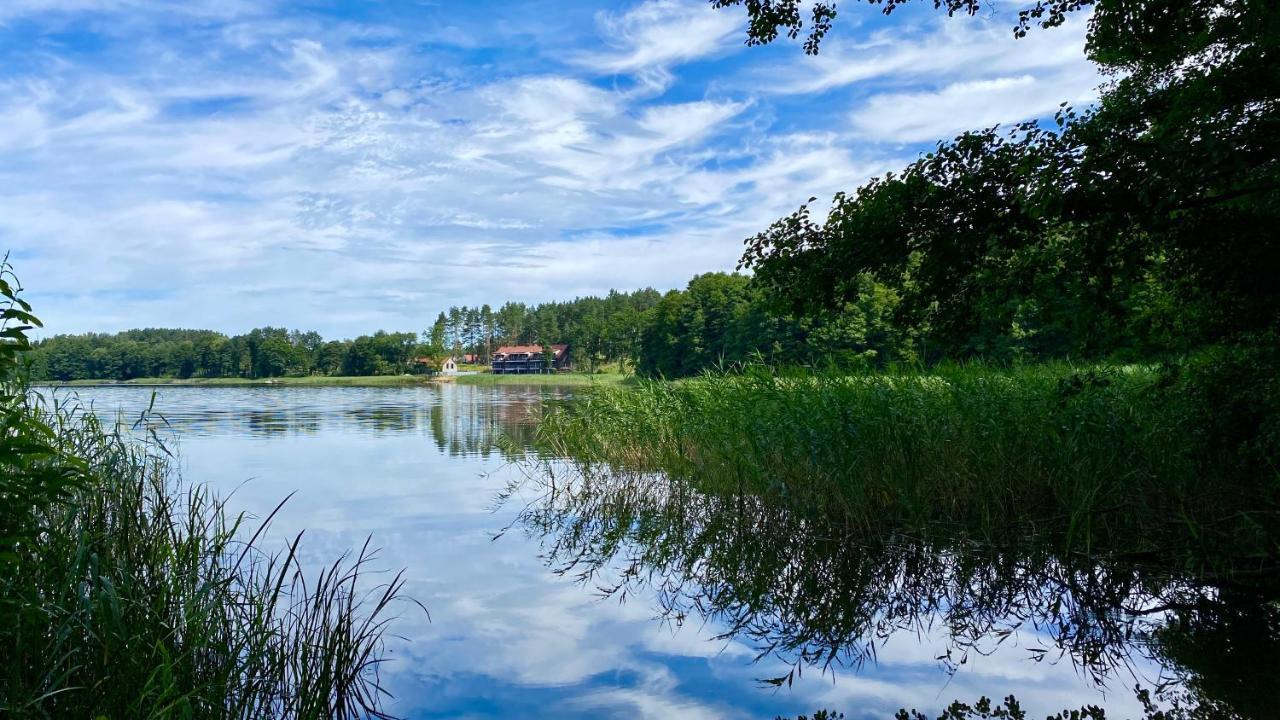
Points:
(127, 593)
(144, 597)
(1105, 459)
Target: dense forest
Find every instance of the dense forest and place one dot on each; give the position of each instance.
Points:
(261, 353)
(601, 330)
(719, 320)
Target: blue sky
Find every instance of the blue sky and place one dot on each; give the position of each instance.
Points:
(347, 166)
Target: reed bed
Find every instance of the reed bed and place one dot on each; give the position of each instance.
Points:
(139, 596)
(1099, 460)
(127, 593)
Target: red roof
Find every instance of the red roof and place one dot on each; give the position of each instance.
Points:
(558, 350)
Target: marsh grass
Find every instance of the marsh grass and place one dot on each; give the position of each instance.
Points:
(144, 597)
(127, 593)
(1100, 460)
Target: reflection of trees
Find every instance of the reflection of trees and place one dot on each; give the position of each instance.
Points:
(462, 420)
(271, 422)
(1228, 647)
(812, 590)
(483, 421)
(386, 418)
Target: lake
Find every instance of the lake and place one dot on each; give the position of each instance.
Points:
(422, 469)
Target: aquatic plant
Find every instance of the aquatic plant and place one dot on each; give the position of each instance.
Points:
(799, 584)
(127, 593)
(1116, 461)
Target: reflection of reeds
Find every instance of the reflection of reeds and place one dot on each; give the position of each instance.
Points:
(1100, 462)
(145, 597)
(816, 514)
(802, 586)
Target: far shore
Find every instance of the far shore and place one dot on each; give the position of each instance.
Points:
(578, 379)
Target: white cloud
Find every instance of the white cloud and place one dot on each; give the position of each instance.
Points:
(276, 168)
(948, 49)
(54, 11)
(927, 116)
(658, 34)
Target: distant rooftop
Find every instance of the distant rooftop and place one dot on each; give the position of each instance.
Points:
(505, 350)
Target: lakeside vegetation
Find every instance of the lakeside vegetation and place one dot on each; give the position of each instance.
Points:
(129, 593)
(1097, 460)
(1041, 358)
(806, 584)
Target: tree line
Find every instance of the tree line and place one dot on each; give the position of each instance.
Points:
(600, 330)
(718, 321)
(261, 353)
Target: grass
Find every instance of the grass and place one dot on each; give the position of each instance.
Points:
(1100, 460)
(127, 593)
(1114, 513)
(559, 379)
(135, 595)
(310, 380)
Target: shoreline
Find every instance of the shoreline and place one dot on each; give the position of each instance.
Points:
(559, 379)
(574, 379)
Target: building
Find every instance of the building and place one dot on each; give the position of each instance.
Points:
(523, 359)
(422, 366)
(449, 367)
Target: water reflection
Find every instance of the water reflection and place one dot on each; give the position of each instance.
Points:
(462, 420)
(418, 468)
(803, 586)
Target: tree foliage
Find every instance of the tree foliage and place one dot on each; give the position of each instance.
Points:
(767, 19)
(722, 321)
(261, 353)
(1145, 224)
(601, 330)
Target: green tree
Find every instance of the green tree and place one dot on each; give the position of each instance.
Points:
(1063, 240)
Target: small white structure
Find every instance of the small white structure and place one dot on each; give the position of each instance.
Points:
(450, 367)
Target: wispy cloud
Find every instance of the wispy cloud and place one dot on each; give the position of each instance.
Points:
(927, 116)
(233, 165)
(938, 49)
(656, 35)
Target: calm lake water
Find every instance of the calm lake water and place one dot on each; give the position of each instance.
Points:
(421, 469)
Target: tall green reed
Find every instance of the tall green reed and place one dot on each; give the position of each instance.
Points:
(1094, 460)
(127, 593)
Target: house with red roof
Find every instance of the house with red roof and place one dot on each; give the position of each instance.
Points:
(523, 359)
